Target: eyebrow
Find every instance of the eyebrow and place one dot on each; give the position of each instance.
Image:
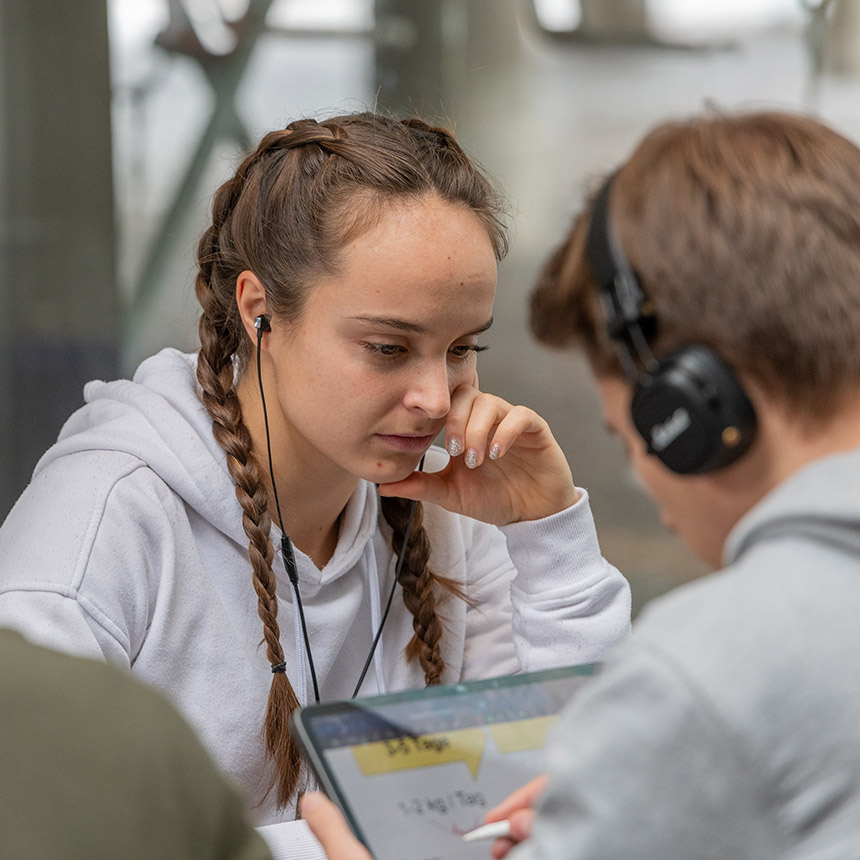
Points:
(404, 325)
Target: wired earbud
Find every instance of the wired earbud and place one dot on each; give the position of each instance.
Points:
(688, 406)
(262, 324)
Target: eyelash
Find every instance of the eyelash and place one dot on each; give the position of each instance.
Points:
(470, 348)
(396, 351)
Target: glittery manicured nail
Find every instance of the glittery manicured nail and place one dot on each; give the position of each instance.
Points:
(471, 459)
(455, 446)
(495, 450)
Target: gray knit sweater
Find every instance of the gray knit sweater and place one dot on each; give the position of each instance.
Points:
(728, 726)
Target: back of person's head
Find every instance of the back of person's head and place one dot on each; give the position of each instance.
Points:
(744, 233)
(288, 213)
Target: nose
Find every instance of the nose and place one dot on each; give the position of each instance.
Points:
(429, 391)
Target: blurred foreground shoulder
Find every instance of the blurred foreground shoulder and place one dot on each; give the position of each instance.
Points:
(96, 764)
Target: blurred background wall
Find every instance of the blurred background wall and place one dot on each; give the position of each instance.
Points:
(120, 117)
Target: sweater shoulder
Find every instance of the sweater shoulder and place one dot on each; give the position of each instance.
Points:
(74, 502)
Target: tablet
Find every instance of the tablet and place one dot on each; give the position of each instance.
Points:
(414, 771)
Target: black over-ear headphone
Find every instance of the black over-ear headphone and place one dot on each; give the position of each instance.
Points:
(688, 406)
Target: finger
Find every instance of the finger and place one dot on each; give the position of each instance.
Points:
(424, 487)
(457, 418)
(500, 848)
(522, 822)
(521, 829)
(519, 425)
(523, 798)
(413, 487)
(329, 826)
(486, 412)
(470, 423)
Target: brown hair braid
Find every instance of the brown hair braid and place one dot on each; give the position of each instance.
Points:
(419, 587)
(286, 215)
(216, 377)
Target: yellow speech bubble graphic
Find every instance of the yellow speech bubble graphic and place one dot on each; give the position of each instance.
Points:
(519, 735)
(407, 753)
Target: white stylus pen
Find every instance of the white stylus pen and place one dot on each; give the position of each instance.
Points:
(493, 830)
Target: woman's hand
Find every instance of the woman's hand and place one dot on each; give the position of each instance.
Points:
(519, 809)
(505, 464)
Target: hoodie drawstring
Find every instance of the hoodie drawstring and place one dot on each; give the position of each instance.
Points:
(370, 573)
(301, 688)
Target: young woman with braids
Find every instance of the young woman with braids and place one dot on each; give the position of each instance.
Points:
(229, 524)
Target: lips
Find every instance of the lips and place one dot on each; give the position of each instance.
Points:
(408, 443)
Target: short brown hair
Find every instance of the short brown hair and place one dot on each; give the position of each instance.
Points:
(744, 231)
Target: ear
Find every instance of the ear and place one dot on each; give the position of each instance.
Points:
(251, 300)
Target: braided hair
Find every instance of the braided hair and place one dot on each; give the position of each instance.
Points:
(286, 214)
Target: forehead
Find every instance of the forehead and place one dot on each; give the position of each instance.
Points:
(420, 257)
(431, 231)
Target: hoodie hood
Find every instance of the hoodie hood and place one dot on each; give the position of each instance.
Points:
(159, 418)
(821, 501)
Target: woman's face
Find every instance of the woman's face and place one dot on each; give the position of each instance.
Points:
(363, 381)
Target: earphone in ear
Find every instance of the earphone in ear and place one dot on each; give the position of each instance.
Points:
(261, 323)
(688, 406)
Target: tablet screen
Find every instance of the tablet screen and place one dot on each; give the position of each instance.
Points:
(414, 771)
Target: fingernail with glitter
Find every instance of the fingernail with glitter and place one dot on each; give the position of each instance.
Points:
(471, 459)
(455, 446)
(495, 450)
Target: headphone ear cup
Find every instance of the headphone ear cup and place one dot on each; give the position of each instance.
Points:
(692, 412)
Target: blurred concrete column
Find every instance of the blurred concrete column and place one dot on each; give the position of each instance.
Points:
(842, 38)
(456, 62)
(461, 63)
(409, 62)
(59, 307)
(609, 19)
(435, 58)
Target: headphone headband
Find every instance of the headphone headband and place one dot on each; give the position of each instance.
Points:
(620, 293)
(688, 407)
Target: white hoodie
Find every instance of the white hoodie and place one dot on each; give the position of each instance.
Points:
(128, 546)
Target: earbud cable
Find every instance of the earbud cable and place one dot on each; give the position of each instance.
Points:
(397, 570)
(290, 558)
(286, 544)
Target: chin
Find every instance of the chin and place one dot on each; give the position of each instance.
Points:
(389, 472)
(397, 475)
